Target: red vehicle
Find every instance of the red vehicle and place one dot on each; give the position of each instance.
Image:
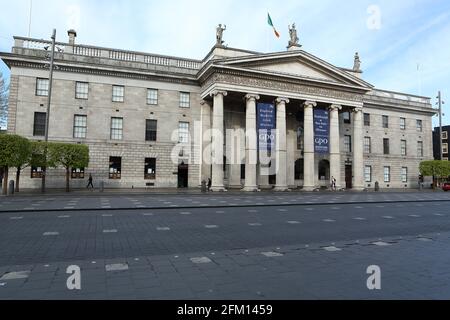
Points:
(446, 186)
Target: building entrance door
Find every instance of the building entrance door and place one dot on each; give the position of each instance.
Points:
(183, 174)
(348, 177)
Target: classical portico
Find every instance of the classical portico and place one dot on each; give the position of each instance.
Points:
(296, 83)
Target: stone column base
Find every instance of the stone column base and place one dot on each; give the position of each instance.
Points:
(218, 189)
(309, 188)
(281, 188)
(250, 189)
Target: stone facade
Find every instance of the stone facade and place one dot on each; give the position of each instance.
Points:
(224, 89)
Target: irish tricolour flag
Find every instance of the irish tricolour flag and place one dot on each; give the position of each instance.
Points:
(269, 21)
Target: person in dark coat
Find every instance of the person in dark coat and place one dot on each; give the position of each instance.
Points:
(209, 184)
(90, 182)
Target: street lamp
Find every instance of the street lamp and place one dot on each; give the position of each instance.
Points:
(47, 118)
(440, 103)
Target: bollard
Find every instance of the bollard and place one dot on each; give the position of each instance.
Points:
(102, 186)
(11, 188)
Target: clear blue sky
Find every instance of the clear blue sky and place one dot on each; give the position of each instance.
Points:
(404, 45)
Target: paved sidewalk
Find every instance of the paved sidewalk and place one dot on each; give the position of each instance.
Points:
(187, 191)
(411, 268)
(78, 202)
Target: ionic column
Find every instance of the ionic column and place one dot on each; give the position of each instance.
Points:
(358, 160)
(234, 156)
(281, 146)
(309, 183)
(217, 141)
(205, 138)
(335, 153)
(251, 148)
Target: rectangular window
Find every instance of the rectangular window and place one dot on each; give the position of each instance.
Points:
(444, 135)
(79, 126)
(116, 128)
(402, 124)
(347, 143)
(77, 173)
(445, 148)
(347, 117)
(387, 174)
(367, 145)
(183, 132)
(403, 147)
(39, 123)
(404, 175)
(368, 173)
(386, 146)
(152, 96)
(185, 100)
(81, 90)
(150, 130)
(385, 122)
(419, 148)
(367, 119)
(115, 167)
(42, 87)
(419, 126)
(37, 172)
(150, 169)
(118, 93)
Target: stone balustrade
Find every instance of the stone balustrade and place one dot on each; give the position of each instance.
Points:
(23, 43)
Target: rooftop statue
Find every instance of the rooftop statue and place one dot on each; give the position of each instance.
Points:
(357, 63)
(219, 34)
(293, 35)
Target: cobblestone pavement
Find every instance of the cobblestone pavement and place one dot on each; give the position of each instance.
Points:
(313, 246)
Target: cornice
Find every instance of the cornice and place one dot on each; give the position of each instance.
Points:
(400, 108)
(63, 66)
(238, 78)
(263, 75)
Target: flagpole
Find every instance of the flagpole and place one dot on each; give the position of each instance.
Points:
(29, 21)
(267, 35)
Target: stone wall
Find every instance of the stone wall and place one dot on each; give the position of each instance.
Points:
(99, 109)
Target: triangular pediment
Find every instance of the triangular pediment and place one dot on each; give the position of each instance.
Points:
(295, 68)
(298, 64)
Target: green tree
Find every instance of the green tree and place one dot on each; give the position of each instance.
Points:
(435, 168)
(22, 159)
(3, 102)
(68, 156)
(39, 156)
(14, 152)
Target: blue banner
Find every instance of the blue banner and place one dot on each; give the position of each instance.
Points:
(321, 131)
(266, 125)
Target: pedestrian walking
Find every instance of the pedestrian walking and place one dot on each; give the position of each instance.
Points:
(90, 182)
(209, 184)
(333, 184)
